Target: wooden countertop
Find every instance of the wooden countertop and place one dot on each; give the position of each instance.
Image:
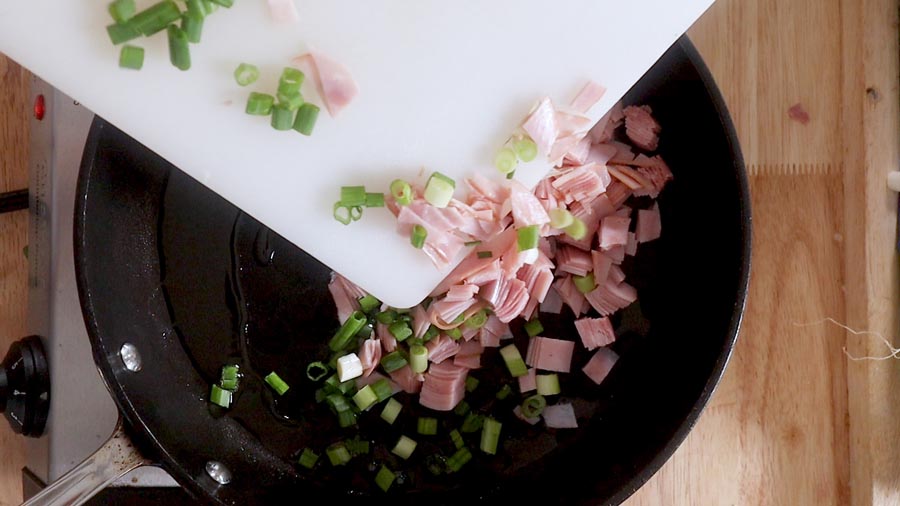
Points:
(794, 421)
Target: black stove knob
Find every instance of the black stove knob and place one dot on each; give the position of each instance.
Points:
(25, 387)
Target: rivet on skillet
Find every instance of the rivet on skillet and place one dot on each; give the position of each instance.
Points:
(130, 357)
(218, 472)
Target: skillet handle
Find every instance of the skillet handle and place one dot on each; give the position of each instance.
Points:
(113, 460)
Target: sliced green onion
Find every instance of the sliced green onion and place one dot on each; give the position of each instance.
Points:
(338, 403)
(338, 454)
(131, 57)
(513, 360)
(391, 410)
(368, 303)
(385, 478)
(418, 236)
(230, 372)
(277, 384)
(386, 317)
(490, 436)
(209, 7)
(192, 26)
(349, 329)
(401, 191)
(471, 243)
(290, 81)
(374, 200)
(560, 218)
(547, 384)
(533, 327)
(393, 361)
(472, 423)
(457, 439)
(179, 50)
(307, 115)
(585, 284)
(485, 254)
(577, 230)
(477, 320)
(346, 419)
(260, 104)
(471, 383)
(427, 426)
(356, 213)
(220, 397)
(230, 385)
(418, 358)
(528, 237)
(431, 333)
(533, 406)
(504, 392)
(526, 149)
(316, 371)
(357, 446)
(404, 447)
(462, 409)
(224, 3)
(506, 161)
(439, 190)
(156, 18)
(352, 196)
(308, 458)
(246, 74)
(459, 459)
(342, 213)
(122, 10)
(122, 33)
(400, 330)
(365, 398)
(511, 175)
(196, 8)
(293, 101)
(382, 389)
(283, 118)
(454, 334)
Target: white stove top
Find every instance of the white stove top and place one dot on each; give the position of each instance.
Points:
(82, 413)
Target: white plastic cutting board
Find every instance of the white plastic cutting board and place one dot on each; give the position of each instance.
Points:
(442, 86)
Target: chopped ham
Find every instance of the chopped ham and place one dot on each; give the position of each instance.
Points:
(613, 232)
(283, 11)
(616, 274)
(512, 301)
(467, 361)
(528, 382)
(497, 328)
(346, 296)
(579, 154)
(641, 128)
(610, 297)
(574, 261)
(601, 153)
(569, 124)
(604, 130)
(580, 183)
(388, 341)
(518, 412)
(370, 355)
(542, 127)
(798, 113)
(601, 265)
(459, 293)
(550, 354)
(527, 209)
(595, 332)
(488, 339)
(560, 416)
(445, 311)
(588, 97)
(408, 381)
(600, 364)
(631, 245)
(616, 254)
(649, 225)
(617, 193)
(334, 82)
(485, 188)
(441, 348)
(421, 321)
(569, 294)
(552, 303)
(444, 386)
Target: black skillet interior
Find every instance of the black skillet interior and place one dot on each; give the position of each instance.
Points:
(191, 281)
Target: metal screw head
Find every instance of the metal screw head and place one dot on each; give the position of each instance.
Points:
(130, 357)
(218, 471)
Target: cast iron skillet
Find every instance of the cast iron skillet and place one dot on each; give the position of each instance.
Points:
(191, 282)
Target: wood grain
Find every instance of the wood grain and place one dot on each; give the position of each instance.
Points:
(13, 267)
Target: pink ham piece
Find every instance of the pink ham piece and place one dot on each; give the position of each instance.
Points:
(421, 321)
(541, 126)
(552, 303)
(600, 364)
(631, 245)
(444, 387)
(641, 128)
(441, 348)
(334, 82)
(798, 113)
(346, 296)
(580, 183)
(601, 265)
(467, 361)
(496, 327)
(560, 416)
(448, 310)
(513, 300)
(595, 332)
(370, 355)
(527, 209)
(649, 224)
(601, 153)
(489, 340)
(569, 294)
(550, 354)
(528, 382)
(588, 97)
(613, 232)
(409, 381)
(610, 297)
(388, 341)
(574, 261)
(578, 155)
(459, 293)
(604, 130)
(283, 11)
